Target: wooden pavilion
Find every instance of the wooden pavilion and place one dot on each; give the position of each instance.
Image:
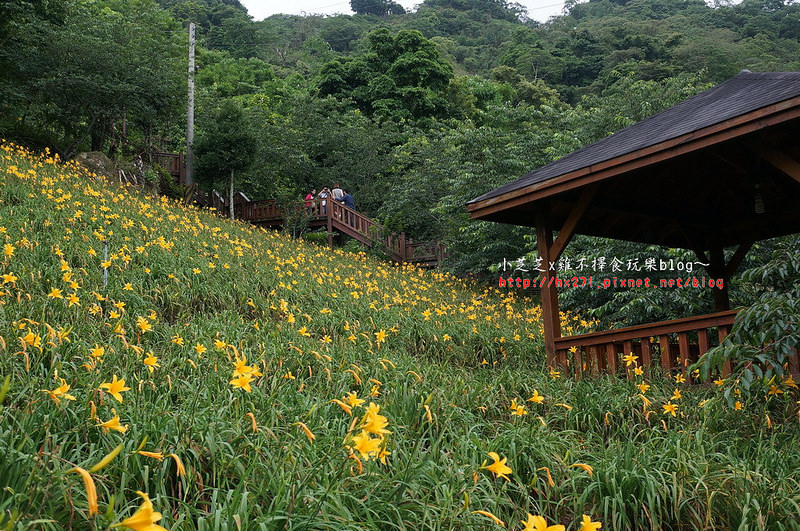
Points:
(718, 170)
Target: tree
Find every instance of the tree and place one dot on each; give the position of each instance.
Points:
(400, 76)
(72, 71)
(765, 336)
(380, 8)
(226, 147)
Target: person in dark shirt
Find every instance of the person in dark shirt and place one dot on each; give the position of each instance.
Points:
(347, 199)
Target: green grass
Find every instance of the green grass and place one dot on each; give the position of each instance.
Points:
(200, 278)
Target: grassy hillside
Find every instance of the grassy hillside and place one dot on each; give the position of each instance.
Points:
(242, 380)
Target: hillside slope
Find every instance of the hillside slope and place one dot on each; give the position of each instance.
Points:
(251, 381)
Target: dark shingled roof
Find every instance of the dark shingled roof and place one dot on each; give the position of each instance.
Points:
(743, 93)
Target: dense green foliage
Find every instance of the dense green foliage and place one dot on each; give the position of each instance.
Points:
(766, 334)
(71, 72)
(225, 149)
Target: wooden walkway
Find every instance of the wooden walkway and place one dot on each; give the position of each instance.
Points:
(336, 217)
(332, 215)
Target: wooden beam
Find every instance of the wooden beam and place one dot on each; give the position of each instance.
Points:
(550, 316)
(775, 157)
(736, 259)
(568, 230)
(701, 256)
(684, 324)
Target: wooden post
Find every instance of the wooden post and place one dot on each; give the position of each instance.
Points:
(666, 355)
(683, 349)
(647, 354)
(717, 269)
(727, 366)
(550, 316)
(402, 249)
(611, 358)
(190, 113)
(329, 215)
(794, 365)
(702, 341)
(627, 348)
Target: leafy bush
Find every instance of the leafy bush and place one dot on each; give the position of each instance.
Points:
(765, 336)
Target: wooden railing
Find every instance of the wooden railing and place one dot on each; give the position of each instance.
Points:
(674, 344)
(336, 216)
(327, 212)
(266, 209)
(173, 163)
(353, 220)
(425, 252)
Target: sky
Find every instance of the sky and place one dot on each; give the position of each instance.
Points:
(539, 10)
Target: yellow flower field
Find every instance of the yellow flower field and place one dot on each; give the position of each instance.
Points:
(161, 367)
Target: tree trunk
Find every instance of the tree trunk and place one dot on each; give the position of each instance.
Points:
(230, 195)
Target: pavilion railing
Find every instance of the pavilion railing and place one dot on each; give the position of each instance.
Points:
(671, 344)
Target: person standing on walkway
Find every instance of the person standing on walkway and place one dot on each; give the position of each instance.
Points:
(347, 199)
(310, 197)
(324, 194)
(338, 193)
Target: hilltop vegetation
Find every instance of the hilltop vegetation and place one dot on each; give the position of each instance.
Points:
(239, 379)
(416, 112)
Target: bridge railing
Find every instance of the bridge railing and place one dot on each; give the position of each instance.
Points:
(340, 217)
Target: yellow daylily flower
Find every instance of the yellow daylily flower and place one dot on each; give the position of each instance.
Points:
(492, 517)
(366, 445)
(243, 382)
(151, 362)
(347, 409)
(498, 467)
(373, 422)
(536, 398)
(630, 359)
(144, 519)
(588, 525)
(60, 392)
(154, 455)
(538, 523)
(353, 400)
(586, 468)
(91, 490)
(113, 424)
(115, 387)
(307, 431)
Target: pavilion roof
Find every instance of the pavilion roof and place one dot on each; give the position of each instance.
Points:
(685, 177)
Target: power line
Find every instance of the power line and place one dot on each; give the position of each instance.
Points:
(330, 5)
(545, 7)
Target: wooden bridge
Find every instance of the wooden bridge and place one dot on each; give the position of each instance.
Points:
(333, 216)
(318, 213)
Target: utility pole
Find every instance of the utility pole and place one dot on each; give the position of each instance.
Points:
(190, 113)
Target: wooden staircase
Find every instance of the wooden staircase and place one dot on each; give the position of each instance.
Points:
(334, 216)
